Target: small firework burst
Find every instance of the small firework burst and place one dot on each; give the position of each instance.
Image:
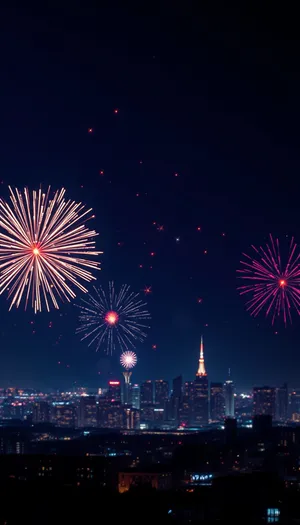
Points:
(128, 359)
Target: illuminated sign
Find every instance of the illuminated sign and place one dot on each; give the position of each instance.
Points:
(201, 477)
(114, 383)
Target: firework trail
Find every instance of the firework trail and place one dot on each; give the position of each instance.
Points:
(43, 248)
(128, 359)
(113, 318)
(275, 287)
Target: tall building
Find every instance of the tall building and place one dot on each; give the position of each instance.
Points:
(200, 398)
(176, 399)
(135, 396)
(282, 403)
(126, 387)
(147, 393)
(264, 401)
(131, 418)
(64, 415)
(186, 408)
(229, 396)
(295, 405)
(87, 411)
(161, 390)
(217, 402)
(41, 412)
(114, 392)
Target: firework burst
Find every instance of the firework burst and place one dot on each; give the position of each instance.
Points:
(274, 286)
(113, 318)
(128, 359)
(43, 248)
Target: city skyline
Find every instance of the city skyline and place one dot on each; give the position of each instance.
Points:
(119, 372)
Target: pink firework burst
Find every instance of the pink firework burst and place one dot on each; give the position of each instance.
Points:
(128, 359)
(274, 286)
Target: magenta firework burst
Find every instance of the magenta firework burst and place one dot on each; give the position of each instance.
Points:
(113, 318)
(274, 284)
(128, 359)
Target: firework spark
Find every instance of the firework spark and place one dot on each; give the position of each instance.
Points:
(128, 359)
(43, 244)
(113, 318)
(274, 286)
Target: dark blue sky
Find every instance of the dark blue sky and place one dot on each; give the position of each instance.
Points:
(211, 96)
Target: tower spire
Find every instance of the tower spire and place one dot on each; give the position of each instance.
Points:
(201, 367)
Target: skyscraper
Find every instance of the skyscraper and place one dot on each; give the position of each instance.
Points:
(176, 399)
(200, 400)
(217, 402)
(282, 401)
(264, 400)
(135, 396)
(87, 411)
(147, 393)
(64, 414)
(229, 396)
(114, 392)
(126, 387)
(186, 408)
(161, 389)
(295, 405)
(41, 412)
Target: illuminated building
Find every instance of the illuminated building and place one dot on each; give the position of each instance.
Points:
(161, 390)
(135, 396)
(15, 410)
(41, 412)
(110, 415)
(217, 402)
(147, 414)
(114, 392)
(158, 416)
(264, 401)
(295, 404)
(186, 408)
(200, 399)
(229, 397)
(126, 387)
(131, 418)
(282, 401)
(176, 399)
(156, 480)
(87, 411)
(64, 414)
(147, 393)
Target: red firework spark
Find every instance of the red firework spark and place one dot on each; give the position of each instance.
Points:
(275, 287)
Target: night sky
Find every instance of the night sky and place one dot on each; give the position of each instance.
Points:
(210, 96)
